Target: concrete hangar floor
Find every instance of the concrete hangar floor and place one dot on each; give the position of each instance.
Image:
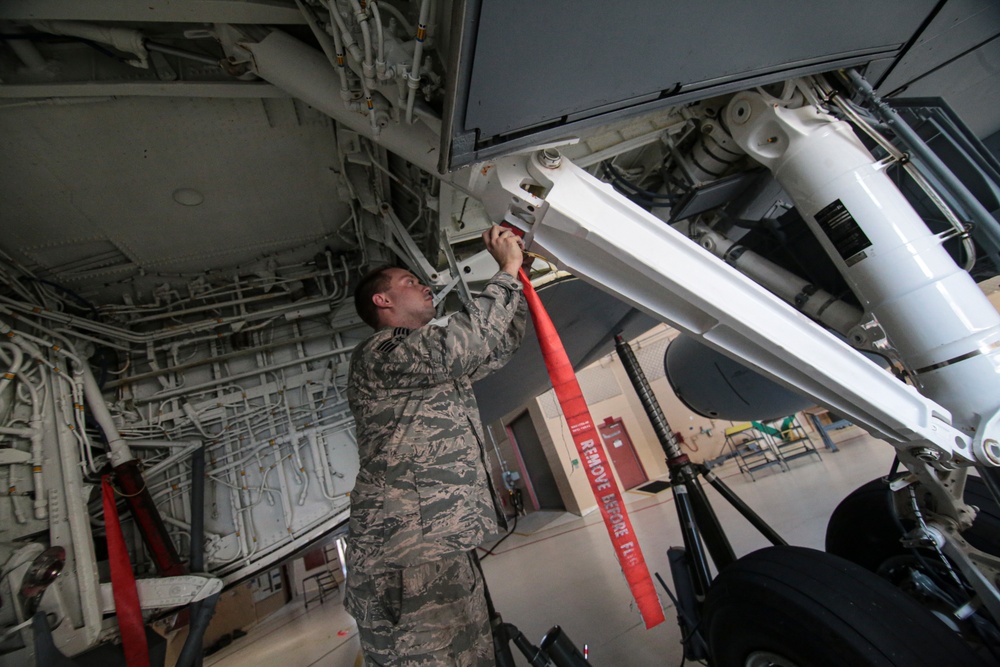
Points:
(558, 568)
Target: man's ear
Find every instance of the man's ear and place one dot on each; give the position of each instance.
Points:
(381, 300)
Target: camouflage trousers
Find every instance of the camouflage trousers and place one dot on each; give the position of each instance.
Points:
(429, 615)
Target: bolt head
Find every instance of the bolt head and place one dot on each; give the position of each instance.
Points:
(550, 158)
(740, 112)
(987, 452)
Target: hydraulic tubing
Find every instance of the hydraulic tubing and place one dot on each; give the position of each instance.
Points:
(413, 80)
(911, 168)
(913, 142)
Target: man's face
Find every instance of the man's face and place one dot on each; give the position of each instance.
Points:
(410, 304)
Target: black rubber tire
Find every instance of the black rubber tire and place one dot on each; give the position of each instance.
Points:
(862, 528)
(813, 609)
(985, 531)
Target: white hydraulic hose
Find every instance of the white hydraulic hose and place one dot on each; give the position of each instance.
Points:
(359, 57)
(77, 421)
(33, 433)
(15, 365)
(380, 56)
(190, 447)
(340, 62)
(413, 82)
(321, 463)
(120, 452)
(35, 427)
(38, 480)
(19, 515)
(368, 68)
(29, 344)
(336, 54)
(264, 472)
(348, 39)
(67, 320)
(239, 376)
(398, 15)
(162, 334)
(78, 384)
(297, 461)
(195, 420)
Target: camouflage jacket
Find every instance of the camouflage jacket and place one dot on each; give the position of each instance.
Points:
(423, 489)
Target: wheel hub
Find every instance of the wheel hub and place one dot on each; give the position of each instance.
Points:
(768, 659)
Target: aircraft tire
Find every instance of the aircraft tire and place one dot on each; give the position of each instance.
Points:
(863, 528)
(796, 607)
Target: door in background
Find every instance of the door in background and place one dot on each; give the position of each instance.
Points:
(539, 482)
(622, 453)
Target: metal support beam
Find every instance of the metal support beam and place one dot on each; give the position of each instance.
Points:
(107, 89)
(622, 249)
(273, 12)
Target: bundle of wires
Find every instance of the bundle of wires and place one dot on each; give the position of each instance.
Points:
(638, 195)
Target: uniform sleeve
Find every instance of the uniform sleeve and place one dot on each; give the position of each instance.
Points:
(510, 342)
(434, 354)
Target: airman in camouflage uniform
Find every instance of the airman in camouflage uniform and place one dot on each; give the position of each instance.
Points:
(423, 498)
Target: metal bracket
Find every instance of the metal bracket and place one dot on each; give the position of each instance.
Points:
(457, 278)
(404, 246)
(9, 455)
(166, 591)
(964, 556)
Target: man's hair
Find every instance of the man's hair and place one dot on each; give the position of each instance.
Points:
(374, 282)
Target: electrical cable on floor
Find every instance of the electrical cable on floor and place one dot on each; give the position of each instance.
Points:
(489, 552)
(517, 502)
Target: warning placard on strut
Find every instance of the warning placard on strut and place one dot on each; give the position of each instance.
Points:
(843, 231)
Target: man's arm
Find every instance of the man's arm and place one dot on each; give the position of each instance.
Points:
(508, 250)
(509, 344)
